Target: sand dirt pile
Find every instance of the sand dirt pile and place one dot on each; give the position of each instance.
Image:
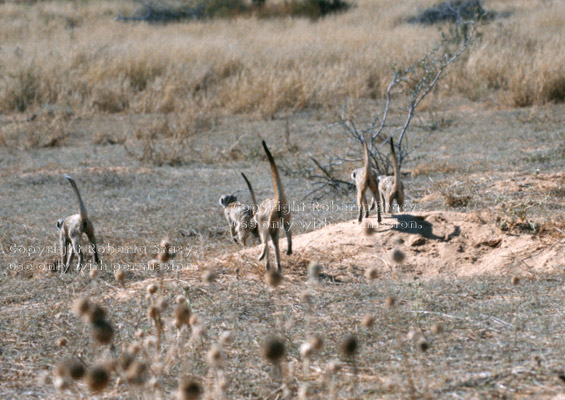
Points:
(434, 243)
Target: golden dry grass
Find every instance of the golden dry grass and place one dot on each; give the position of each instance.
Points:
(69, 54)
(71, 64)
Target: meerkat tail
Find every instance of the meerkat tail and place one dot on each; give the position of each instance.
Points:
(368, 176)
(395, 167)
(277, 184)
(82, 208)
(253, 199)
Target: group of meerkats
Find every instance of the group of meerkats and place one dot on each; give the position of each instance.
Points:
(263, 221)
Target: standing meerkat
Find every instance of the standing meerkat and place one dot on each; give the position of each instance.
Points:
(71, 230)
(365, 178)
(273, 214)
(391, 187)
(240, 216)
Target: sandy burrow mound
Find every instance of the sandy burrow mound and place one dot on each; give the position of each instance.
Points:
(435, 244)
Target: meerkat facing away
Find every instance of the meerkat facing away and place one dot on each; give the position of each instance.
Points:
(391, 187)
(274, 214)
(70, 232)
(365, 179)
(240, 216)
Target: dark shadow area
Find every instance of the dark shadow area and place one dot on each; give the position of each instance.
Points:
(170, 11)
(455, 11)
(417, 225)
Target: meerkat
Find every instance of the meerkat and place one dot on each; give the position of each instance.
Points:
(391, 187)
(272, 215)
(240, 216)
(71, 229)
(365, 178)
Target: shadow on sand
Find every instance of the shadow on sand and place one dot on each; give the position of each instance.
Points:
(417, 225)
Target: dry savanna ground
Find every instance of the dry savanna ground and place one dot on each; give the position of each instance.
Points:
(461, 296)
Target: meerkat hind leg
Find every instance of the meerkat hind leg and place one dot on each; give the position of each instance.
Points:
(275, 240)
(360, 202)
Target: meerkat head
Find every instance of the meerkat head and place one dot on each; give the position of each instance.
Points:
(227, 200)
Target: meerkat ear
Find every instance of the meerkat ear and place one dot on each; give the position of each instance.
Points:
(227, 199)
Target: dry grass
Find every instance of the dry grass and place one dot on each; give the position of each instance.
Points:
(120, 111)
(257, 65)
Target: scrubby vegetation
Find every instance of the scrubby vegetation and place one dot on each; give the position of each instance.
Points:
(263, 66)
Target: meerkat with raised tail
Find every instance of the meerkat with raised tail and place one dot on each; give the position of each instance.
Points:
(71, 229)
(391, 187)
(274, 214)
(240, 216)
(365, 179)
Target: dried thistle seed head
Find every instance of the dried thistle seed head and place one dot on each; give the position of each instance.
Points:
(125, 360)
(368, 228)
(398, 256)
(189, 389)
(76, 369)
(225, 338)
(134, 348)
(62, 342)
(162, 304)
(349, 346)
(154, 384)
(371, 273)
(163, 256)
(120, 276)
(96, 313)
(153, 312)
(515, 280)
(316, 342)
(273, 350)
(209, 277)
(368, 321)
(69, 367)
(273, 278)
(154, 265)
(306, 350)
(222, 383)
(180, 299)
(165, 244)
(182, 314)
(150, 342)
(194, 320)
(199, 331)
(215, 356)
(152, 289)
(61, 383)
(102, 331)
(97, 378)
(437, 328)
(390, 302)
(314, 271)
(136, 373)
(423, 344)
(81, 306)
(334, 366)
(61, 369)
(306, 297)
(93, 273)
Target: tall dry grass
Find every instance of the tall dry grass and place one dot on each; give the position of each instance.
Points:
(73, 53)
